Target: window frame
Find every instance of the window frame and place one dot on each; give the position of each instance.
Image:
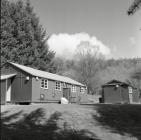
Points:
(73, 88)
(82, 90)
(56, 84)
(130, 90)
(44, 83)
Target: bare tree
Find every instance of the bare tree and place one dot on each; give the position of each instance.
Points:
(137, 76)
(87, 65)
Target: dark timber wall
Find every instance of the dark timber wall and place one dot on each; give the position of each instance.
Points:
(20, 87)
(51, 94)
(136, 96)
(3, 91)
(115, 95)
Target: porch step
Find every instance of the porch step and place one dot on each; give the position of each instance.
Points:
(64, 100)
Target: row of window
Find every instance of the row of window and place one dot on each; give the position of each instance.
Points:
(44, 84)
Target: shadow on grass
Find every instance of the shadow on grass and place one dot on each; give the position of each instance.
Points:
(30, 127)
(121, 118)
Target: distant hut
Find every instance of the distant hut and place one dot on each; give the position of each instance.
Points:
(119, 92)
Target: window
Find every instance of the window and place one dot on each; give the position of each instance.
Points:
(58, 86)
(73, 88)
(82, 90)
(130, 90)
(44, 83)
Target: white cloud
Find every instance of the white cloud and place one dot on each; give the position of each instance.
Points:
(66, 44)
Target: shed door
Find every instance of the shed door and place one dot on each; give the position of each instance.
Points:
(8, 93)
(130, 94)
(66, 93)
(130, 97)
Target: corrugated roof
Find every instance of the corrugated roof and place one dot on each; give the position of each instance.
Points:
(47, 75)
(115, 82)
(3, 77)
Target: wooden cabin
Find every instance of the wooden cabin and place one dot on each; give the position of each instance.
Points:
(119, 92)
(22, 84)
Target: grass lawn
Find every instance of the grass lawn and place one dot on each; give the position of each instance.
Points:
(71, 122)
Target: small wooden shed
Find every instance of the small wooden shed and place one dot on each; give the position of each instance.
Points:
(22, 84)
(119, 92)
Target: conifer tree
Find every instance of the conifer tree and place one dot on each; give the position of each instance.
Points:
(23, 39)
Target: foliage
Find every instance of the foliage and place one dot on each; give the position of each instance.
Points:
(95, 71)
(134, 7)
(23, 39)
(136, 76)
(89, 67)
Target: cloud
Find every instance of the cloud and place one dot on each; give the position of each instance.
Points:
(136, 43)
(66, 44)
(139, 46)
(132, 40)
(114, 49)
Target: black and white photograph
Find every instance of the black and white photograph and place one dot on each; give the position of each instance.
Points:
(70, 70)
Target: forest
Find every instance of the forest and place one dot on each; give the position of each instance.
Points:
(24, 41)
(94, 72)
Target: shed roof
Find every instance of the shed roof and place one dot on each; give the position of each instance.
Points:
(115, 82)
(43, 74)
(3, 77)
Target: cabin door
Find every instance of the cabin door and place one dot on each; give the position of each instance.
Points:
(8, 90)
(67, 93)
(130, 94)
(130, 98)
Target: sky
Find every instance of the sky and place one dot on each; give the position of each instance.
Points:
(102, 23)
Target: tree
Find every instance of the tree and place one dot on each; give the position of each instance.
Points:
(134, 7)
(23, 39)
(136, 75)
(87, 65)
